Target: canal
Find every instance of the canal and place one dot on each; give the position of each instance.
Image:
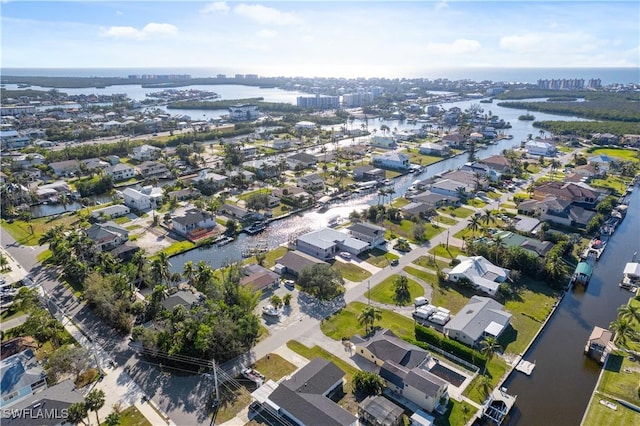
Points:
(558, 390)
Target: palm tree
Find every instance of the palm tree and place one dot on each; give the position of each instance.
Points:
(368, 317)
(622, 328)
(554, 166)
(401, 290)
(474, 224)
(95, 401)
(77, 412)
(488, 218)
(629, 312)
(488, 347)
(160, 268)
(189, 271)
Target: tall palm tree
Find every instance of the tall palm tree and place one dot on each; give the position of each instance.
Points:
(488, 347)
(629, 312)
(368, 317)
(474, 224)
(554, 166)
(189, 271)
(95, 401)
(622, 328)
(488, 218)
(160, 268)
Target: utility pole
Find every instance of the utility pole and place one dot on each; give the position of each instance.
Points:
(369, 291)
(216, 402)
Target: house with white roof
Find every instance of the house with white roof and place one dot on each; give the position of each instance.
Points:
(111, 212)
(538, 148)
(452, 188)
(145, 153)
(602, 161)
(120, 172)
(191, 220)
(484, 275)
(392, 160)
(386, 142)
(325, 243)
(481, 317)
(144, 199)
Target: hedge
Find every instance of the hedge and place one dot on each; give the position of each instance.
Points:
(434, 338)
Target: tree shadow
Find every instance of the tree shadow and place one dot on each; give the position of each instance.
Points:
(614, 363)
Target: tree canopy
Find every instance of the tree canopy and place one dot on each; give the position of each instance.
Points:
(321, 281)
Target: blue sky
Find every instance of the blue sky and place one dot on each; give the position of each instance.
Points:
(320, 38)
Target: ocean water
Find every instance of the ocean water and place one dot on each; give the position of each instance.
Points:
(523, 75)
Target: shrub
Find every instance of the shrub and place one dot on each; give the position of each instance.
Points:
(428, 335)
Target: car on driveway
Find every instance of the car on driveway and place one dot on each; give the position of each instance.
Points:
(395, 262)
(345, 255)
(289, 284)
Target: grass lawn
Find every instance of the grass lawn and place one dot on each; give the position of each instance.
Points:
(274, 367)
(431, 263)
(476, 203)
(533, 168)
(384, 292)
(529, 309)
(461, 212)
(44, 256)
(615, 183)
(624, 154)
(231, 403)
(271, 257)
(400, 202)
(416, 158)
(445, 220)
(450, 296)
(620, 378)
(432, 230)
(495, 370)
(245, 196)
(598, 414)
(345, 323)
(378, 258)
(121, 220)
(130, 416)
(351, 272)
(10, 314)
(494, 195)
(467, 232)
(403, 230)
(458, 413)
(21, 231)
(178, 247)
(448, 252)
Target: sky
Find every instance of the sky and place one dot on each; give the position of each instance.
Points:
(320, 38)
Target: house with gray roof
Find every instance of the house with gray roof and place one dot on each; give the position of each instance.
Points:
(21, 376)
(379, 411)
(368, 232)
(325, 243)
(120, 171)
(65, 168)
(293, 262)
(481, 317)
(304, 399)
(392, 160)
(107, 236)
(111, 212)
(301, 160)
(189, 220)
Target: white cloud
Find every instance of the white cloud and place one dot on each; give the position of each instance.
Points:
(218, 6)
(577, 42)
(149, 30)
(266, 15)
(267, 33)
(442, 5)
(459, 46)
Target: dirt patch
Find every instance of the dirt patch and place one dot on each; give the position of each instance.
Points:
(152, 240)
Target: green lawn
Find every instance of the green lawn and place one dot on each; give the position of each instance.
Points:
(121, 220)
(8, 314)
(448, 252)
(495, 370)
(529, 309)
(232, 401)
(385, 293)
(274, 367)
(476, 203)
(457, 414)
(245, 196)
(445, 220)
(614, 183)
(178, 247)
(378, 258)
(351, 272)
(431, 263)
(403, 230)
(130, 416)
(432, 230)
(620, 378)
(461, 212)
(598, 414)
(623, 154)
(449, 296)
(400, 202)
(21, 230)
(271, 257)
(345, 323)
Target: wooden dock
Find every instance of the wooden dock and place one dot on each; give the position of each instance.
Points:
(525, 367)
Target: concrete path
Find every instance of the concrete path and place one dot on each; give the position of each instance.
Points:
(13, 322)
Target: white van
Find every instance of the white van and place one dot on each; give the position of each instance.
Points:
(419, 301)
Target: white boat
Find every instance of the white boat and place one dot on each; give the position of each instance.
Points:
(269, 310)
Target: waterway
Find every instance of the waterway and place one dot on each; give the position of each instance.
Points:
(558, 390)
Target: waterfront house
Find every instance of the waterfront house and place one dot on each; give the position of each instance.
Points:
(372, 234)
(21, 376)
(481, 317)
(599, 345)
(483, 275)
(531, 245)
(65, 168)
(110, 212)
(259, 278)
(208, 179)
(152, 168)
(293, 262)
(435, 200)
(92, 164)
(185, 298)
(439, 149)
(386, 142)
(184, 223)
(301, 160)
(145, 153)
(588, 171)
(120, 171)
(143, 199)
(312, 182)
(236, 212)
(452, 188)
(540, 148)
(557, 210)
(368, 173)
(499, 163)
(454, 140)
(483, 170)
(52, 190)
(601, 161)
(468, 179)
(581, 194)
(107, 236)
(305, 399)
(184, 194)
(325, 243)
(392, 160)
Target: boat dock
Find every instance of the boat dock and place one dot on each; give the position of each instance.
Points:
(525, 367)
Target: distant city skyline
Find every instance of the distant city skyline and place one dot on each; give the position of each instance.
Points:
(321, 38)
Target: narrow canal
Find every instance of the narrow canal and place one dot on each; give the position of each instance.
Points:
(558, 390)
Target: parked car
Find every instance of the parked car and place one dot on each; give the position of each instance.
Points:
(345, 254)
(395, 262)
(289, 284)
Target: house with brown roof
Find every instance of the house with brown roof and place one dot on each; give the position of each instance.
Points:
(574, 193)
(293, 262)
(499, 163)
(259, 278)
